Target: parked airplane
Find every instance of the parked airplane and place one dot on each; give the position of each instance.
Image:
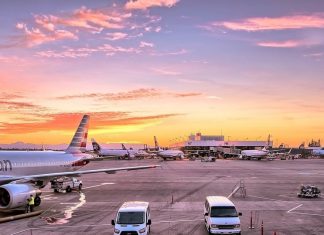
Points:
(167, 154)
(263, 153)
(121, 153)
(254, 154)
(318, 152)
(140, 153)
(24, 173)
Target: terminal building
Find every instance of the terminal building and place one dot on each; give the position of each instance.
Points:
(215, 144)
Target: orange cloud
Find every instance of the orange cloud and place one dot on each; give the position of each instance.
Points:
(189, 94)
(68, 122)
(278, 23)
(85, 18)
(93, 19)
(283, 44)
(144, 4)
(17, 105)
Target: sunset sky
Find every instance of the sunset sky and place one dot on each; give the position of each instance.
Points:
(162, 67)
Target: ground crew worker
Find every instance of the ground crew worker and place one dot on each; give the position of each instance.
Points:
(27, 205)
(31, 203)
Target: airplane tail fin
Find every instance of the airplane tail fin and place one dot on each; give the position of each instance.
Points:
(157, 147)
(96, 147)
(79, 141)
(123, 146)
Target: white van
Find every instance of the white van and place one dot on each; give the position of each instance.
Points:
(221, 216)
(133, 218)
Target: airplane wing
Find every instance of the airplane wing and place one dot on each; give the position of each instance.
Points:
(8, 179)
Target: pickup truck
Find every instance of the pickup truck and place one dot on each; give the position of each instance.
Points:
(66, 184)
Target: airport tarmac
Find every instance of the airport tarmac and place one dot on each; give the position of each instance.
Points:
(271, 197)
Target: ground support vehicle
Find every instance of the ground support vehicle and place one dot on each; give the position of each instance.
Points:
(66, 184)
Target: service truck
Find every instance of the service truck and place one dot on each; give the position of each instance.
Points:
(66, 184)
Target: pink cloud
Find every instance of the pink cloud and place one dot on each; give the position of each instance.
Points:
(316, 55)
(16, 102)
(282, 44)
(85, 52)
(166, 72)
(180, 52)
(111, 50)
(36, 37)
(144, 4)
(45, 22)
(157, 29)
(69, 53)
(116, 36)
(278, 23)
(136, 94)
(146, 44)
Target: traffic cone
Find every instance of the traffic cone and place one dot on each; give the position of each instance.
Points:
(262, 228)
(251, 223)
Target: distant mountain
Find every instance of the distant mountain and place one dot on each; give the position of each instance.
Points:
(23, 146)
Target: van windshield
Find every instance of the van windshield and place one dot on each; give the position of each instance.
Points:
(130, 218)
(223, 211)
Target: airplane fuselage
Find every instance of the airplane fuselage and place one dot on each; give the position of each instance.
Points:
(170, 153)
(254, 153)
(113, 152)
(319, 152)
(20, 163)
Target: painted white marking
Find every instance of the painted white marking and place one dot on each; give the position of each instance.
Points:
(294, 208)
(49, 198)
(234, 191)
(94, 186)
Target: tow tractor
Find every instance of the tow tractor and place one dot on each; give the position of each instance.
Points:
(309, 191)
(66, 184)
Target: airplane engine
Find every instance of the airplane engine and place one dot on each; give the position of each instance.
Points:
(15, 195)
